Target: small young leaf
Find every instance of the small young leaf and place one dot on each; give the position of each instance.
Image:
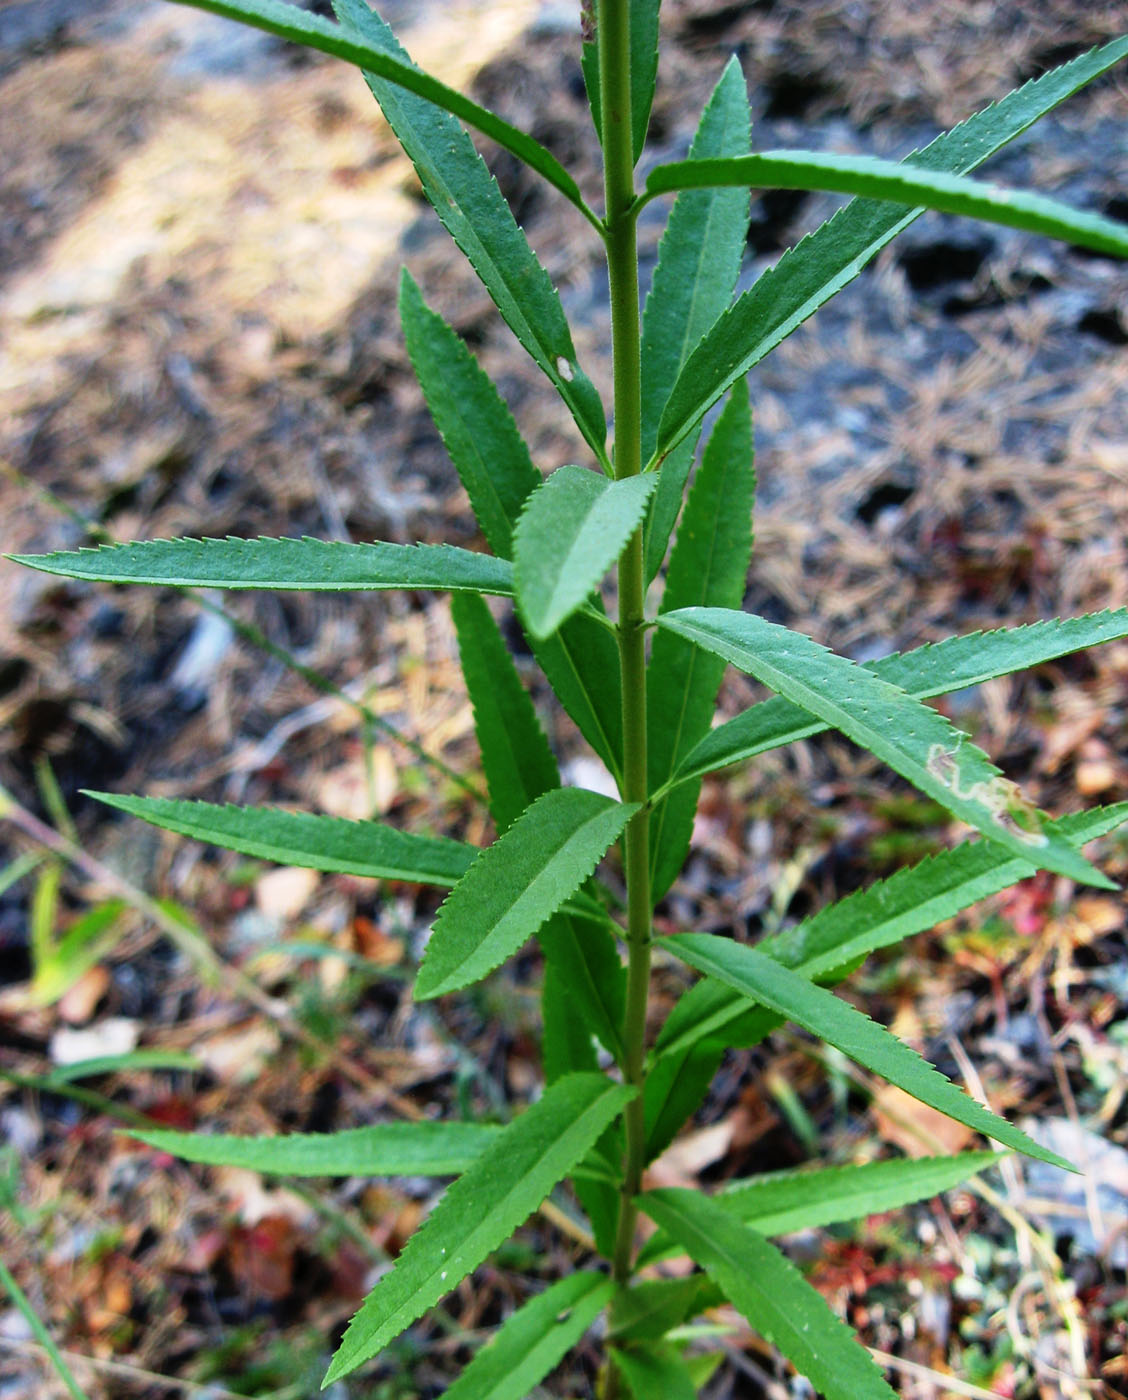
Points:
(533, 1340)
(913, 739)
(308, 565)
(708, 567)
(516, 884)
(823, 263)
(872, 178)
(571, 531)
(384, 1149)
(301, 27)
(698, 264)
(468, 202)
(779, 1203)
(789, 994)
(654, 1372)
(771, 1293)
(483, 1208)
(933, 669)
(314, 842)
(473, 420)
(644, 68)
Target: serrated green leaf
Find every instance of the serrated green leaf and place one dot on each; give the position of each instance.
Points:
(679, 1079)
(919, 897)
(314, 842)
(644, 68)
(823, 263)
(570, 533)
(699, 255)
(934, 669)
(698, 264)
(482, 1209)
(313, 32)
(873, 178)
(791, 995)
(383, 1149)
(517, 761)
(590, 980)
(708, 567)
(471, 207)
(649, 1309)
(779, 1203)
(913, 739)
(516, 884)
(533, 1340)
(654, 1372)
(306, 564)
(473, 420)
(771, 1293)
(584, 975)
(581, 662)
(879, 916)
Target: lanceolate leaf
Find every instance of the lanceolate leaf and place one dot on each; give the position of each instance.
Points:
(590, 980)
(303, 838)
(516, 884)
(519, 766)
(583, 989)
(713, 1015)
(698, 264)
(771, 1293)
(822, 264)
(791, 995)
(708, 567)
(531, 1342)
(482, 1209)
(779, 1203)
(934, 669)
(571, 531)
(912, 738)
(919, 897)
(581, 662)
(467, 200)
(644, 68)
(699, 255)
(301, 27)
(306, 564)
(488, 452)
(678, 1081)
(873, 178)
(655, 1372)
(384, 1149)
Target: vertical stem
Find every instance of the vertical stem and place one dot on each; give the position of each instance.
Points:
(622, 262)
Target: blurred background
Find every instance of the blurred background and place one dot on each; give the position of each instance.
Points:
(200, 236)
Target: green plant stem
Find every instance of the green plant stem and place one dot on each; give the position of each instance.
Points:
(622, 263)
